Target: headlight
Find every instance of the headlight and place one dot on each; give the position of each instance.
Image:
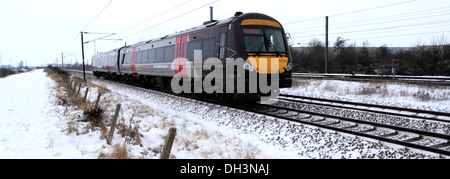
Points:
(289, 67)
(248, 67)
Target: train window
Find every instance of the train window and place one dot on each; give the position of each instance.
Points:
(253, 31)
(103, 61)
(145, 56)
(112, 60)
(152, 56)
(276, 40)
(222, 46)
(169, 53)
(209, 48)
(265, 40)
(128, 58)
(254, 43)
(138, 57)
(159, 54)
(197, 45)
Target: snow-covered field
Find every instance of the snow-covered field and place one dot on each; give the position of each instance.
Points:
(34, 124)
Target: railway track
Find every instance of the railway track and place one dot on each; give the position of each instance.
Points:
(412, 138)
(381, 109)
(427, 121)
(358, 77)
(417, 139)
(396, 127)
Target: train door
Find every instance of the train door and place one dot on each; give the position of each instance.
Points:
(180, 56)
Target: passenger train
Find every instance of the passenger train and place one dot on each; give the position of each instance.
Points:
(252, 36)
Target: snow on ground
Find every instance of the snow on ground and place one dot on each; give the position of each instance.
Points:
(281, 139)
(31, 124)
(34, 124)
(416, 96)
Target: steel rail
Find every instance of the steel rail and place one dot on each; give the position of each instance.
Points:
(437, 113)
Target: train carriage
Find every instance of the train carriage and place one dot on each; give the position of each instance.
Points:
(251, 36)
(106, 64)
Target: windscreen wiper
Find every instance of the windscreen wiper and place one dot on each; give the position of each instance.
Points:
(258, 53)
(275, 48)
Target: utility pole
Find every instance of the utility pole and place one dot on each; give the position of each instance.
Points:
(326, 44)
(82, 45)
(62, 61)
(63, 55)
(82, 49)
(1, 54)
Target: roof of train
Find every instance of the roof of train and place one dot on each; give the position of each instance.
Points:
(205, 25)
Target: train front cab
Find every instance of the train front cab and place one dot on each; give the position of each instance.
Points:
(264, 41)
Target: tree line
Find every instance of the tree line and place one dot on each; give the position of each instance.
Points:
(433, 60)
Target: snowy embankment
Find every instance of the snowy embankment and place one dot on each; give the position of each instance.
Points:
(36, 124)
(29, 128)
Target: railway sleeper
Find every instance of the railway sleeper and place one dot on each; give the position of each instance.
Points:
(350, 126)
(390, 135)
(369, 130)
(278, 112)
(268, 110)
(329, 122)
(290, 114)
(440, 146)
(414, 139)
(316, 119)
(302, 116)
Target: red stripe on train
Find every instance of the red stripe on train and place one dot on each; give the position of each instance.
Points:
(133, 60)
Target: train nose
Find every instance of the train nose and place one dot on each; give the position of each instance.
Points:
(289, 67)
(270, 64)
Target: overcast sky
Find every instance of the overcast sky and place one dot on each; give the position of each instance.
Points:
(38, 31)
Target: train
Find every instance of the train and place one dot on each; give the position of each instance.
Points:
(258, 38)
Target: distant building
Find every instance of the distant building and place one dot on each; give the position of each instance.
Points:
(21, 64)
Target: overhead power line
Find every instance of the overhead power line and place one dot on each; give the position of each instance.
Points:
(352, 12)
(408, 23)
(97, 15)
(383, 30)
(383, 22)
(148, 20)
(379, 7)
(193, 10)
(168, 20)
(77, 36)
(403, 35)
(380, 19)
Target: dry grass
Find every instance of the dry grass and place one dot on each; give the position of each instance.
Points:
(119, 152)
(132, 133)
(96, 120)
(101, 89)
(72, 128)
(67, 96)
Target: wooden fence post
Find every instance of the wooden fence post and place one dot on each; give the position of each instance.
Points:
(169, 142)
(85, 95)
(98, 100)
(75, 86)
(113, 124)
(79, 88)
